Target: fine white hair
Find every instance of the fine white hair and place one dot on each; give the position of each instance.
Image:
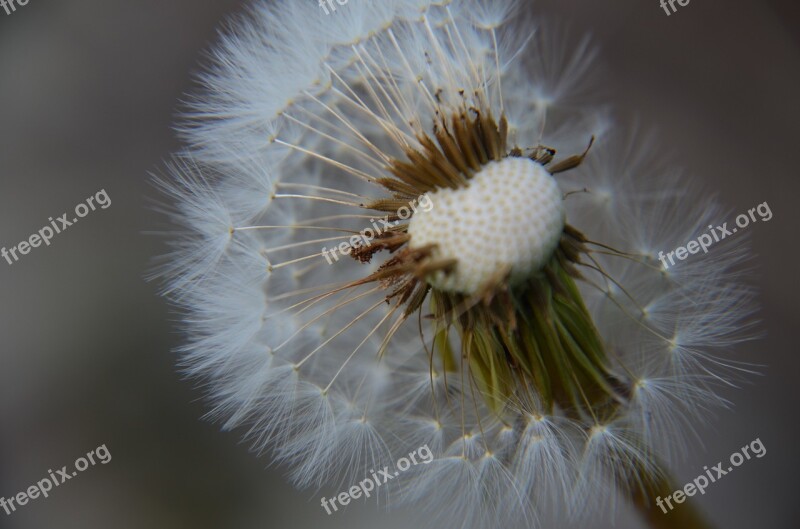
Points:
(298, 113)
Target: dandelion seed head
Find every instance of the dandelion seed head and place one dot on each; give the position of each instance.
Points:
(520, 327)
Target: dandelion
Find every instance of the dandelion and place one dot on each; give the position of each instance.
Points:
(521, 326)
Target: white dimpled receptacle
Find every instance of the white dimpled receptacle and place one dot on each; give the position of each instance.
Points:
(510, 217)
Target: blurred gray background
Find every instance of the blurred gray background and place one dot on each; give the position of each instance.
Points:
(89, 90)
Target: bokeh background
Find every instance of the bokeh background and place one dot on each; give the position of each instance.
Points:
(89, 90)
